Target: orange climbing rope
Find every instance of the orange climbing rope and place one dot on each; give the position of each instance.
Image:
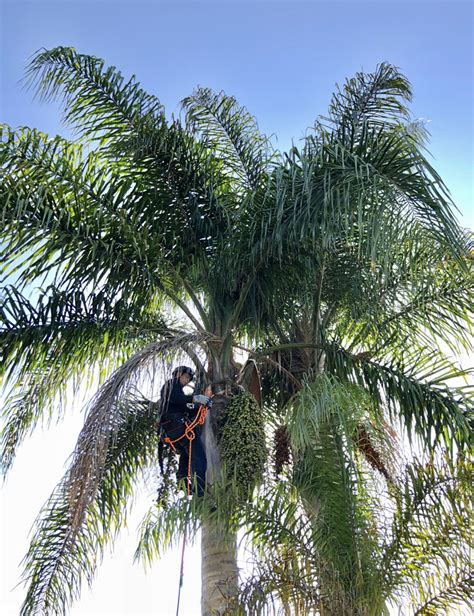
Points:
(190, 435)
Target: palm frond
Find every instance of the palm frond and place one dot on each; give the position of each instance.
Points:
(378, 97)
(415, 389)
(417, 294)
(67, 214)
(331, 198)
(52, 346)
(388, 171)
(336, 493)
(62, 554)
(28, 329)
(352, 178)
(93, 227)
(284, 564)
(168, 519)
(231, 133)
(428, 555)
(457, 590)
(129, 125)
(98, 102)
(163, 526)
(101, 425)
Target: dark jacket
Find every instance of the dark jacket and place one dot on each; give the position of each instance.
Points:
(174, 401)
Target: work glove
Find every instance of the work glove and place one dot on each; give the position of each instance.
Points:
(200, 399)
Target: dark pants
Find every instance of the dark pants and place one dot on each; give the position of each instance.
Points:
(175, 429)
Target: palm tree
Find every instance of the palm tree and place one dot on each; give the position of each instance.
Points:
(156, 239)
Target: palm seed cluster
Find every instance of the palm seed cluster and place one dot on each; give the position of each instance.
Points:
(243, 449)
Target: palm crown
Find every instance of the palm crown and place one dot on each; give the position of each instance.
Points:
(338, 267)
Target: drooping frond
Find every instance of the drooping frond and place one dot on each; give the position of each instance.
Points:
(339, 497)
(330, 200)
(392, 170)
(284, 563)
(52, 346)
(63, 554)
(162, 527)
(422, 538)
(165, 522)
(416, 389)
(428, 554)
(370, 110)
(103, 417)
(231, 133)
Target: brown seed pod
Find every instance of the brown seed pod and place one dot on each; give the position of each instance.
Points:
(373, 457)
(281, 449)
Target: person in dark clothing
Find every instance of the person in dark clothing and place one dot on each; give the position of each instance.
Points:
(179, 409)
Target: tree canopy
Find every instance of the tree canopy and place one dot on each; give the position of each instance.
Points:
(337, 267)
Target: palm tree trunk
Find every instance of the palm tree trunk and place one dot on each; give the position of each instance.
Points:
(219, 572)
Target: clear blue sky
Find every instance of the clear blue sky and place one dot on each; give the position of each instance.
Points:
(281, 59)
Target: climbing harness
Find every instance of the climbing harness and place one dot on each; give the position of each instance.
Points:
(190, 435)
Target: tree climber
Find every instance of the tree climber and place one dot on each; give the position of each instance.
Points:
(178, 411)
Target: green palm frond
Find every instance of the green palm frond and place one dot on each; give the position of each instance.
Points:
(231, 133)
(68, 214)
(398, 168)
(81, 222)
(422, 535)
(379, 98)
(428, 555)
(52, 346)
(163, 526)
(64, 554)
(417, 294)
(284, 566)
(365, 107)
(328, 197)
(457, 590)
(415, 389)
(414, 543)
(336, 493)
(29, 328)
(341, 188)
(129, 125)
(165, 522)
(98, 102)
